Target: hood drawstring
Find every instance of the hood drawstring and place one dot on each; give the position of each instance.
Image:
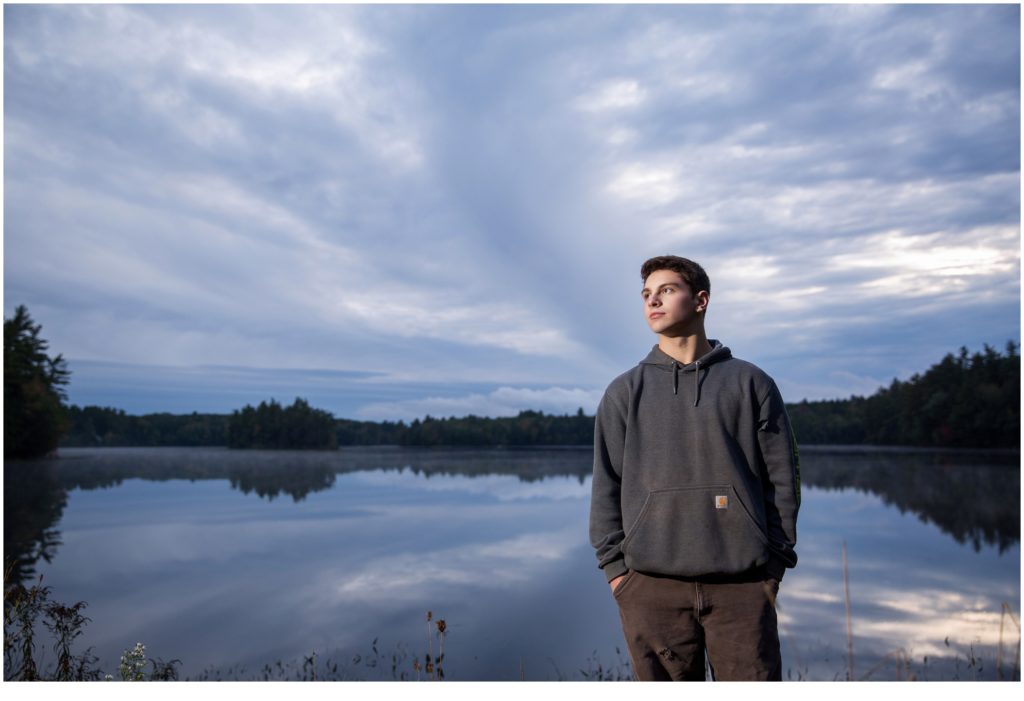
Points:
(661, 360)
(696, 381)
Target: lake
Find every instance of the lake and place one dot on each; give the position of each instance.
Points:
(232, 560)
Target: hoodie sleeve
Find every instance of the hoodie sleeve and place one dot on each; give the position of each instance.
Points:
(781, 480)
(606, 532)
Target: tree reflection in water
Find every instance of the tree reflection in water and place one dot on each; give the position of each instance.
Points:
(973, 497)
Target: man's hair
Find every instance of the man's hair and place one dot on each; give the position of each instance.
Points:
(691, 272)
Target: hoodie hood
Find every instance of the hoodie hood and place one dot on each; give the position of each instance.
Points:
(661, 360)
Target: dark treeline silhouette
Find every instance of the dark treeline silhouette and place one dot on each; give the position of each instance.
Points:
(370, 432)
(963, 401)
(271, 425)
(527, 428)
(101, 426)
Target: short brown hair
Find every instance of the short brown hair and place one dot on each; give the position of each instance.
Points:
(691, 272)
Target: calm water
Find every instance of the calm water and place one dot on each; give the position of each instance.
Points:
(228, 560)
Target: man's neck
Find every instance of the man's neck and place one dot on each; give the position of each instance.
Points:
(685, 349)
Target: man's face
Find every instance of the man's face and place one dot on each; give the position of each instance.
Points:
(669, 306)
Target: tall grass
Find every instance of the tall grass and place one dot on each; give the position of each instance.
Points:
(26, 608)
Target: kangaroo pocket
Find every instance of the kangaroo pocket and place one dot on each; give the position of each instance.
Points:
(695, 531)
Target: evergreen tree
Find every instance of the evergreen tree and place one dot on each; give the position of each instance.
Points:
(34, 413)
(299, 426)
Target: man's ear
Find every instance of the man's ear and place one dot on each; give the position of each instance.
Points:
(703, 299)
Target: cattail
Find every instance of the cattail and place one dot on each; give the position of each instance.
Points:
(441, 626)
(430, 642)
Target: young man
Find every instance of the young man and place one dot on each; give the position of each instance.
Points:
(695, 494)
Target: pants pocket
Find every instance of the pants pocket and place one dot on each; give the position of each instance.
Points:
(624, 583)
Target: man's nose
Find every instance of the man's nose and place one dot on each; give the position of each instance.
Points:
(653, 301)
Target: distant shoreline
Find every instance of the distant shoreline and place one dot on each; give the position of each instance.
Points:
(809, 448)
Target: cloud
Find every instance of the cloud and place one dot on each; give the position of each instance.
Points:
(465, 194)
(614, 95)
(504, 401)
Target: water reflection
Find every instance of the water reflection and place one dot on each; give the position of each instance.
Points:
(972, 497)
(269, 482)
(34, 501)
(913, 592)
(340, 548)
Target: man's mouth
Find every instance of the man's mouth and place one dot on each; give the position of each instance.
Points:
(655, 315)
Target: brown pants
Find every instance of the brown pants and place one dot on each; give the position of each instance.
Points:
(670, 622)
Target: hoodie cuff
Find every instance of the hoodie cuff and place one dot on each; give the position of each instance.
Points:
(615, 569)
(775, 568)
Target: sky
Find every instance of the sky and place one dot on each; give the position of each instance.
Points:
(402, 210)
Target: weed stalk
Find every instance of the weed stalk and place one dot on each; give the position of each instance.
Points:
(849, 618)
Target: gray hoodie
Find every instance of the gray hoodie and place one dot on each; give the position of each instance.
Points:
(696, 472)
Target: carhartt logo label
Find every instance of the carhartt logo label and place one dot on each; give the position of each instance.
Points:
(722, 502)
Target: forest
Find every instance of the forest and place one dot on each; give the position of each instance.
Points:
(964, 401)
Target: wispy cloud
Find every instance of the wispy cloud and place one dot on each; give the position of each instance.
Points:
(504, 401)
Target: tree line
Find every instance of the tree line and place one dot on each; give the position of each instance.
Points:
(963, 401)
(300, 426)
(104, 426)
(527, 428)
